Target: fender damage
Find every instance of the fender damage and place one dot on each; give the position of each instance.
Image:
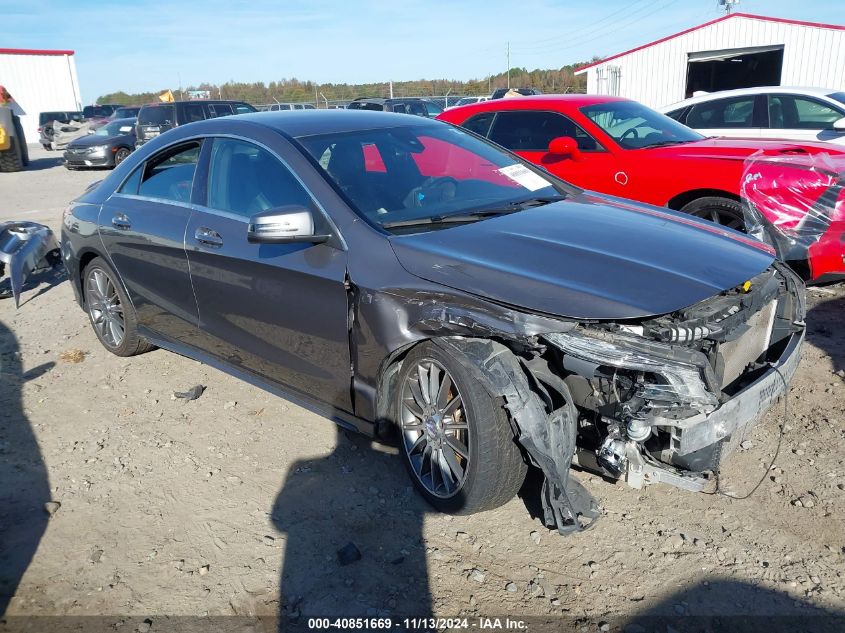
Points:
(659, 399)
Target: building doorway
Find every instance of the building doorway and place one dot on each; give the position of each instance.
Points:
(727, 69)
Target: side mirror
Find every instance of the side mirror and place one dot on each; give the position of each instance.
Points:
(839, 124)
(289, 223)
(564, 147)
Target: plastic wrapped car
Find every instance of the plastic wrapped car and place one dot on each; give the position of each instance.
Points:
(796, 202)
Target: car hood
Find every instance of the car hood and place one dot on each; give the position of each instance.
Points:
(740, 148)
(91, 140)
(588, 257)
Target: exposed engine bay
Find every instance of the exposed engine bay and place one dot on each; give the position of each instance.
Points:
(667, 399)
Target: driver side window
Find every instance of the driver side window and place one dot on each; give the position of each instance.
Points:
(246, 179)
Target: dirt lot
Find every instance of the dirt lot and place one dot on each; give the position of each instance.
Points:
(237, 503)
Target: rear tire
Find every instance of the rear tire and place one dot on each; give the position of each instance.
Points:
(491, 470)
(110, 311)
(717, 209)
(12, 159)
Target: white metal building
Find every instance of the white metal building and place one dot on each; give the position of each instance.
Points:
(39, 81)
(738, 50)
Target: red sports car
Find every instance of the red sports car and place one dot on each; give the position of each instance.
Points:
(625, 149)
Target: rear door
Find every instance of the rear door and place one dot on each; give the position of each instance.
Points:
(528, 134)
(803, 118)
(275, 310)
(142, 227)
(732, 117)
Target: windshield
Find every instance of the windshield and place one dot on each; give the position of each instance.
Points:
(634, 126)
(113, 129)
(125, 113)
(426, 173)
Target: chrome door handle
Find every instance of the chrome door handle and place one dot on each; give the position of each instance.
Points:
(120, 221)
(209, 237)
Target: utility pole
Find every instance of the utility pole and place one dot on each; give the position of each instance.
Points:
(391, 88)
(509, 65)
(316, 98)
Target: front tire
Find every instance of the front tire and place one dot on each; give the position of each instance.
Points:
(110, 311)
(717, 209)
(455, 437)
(121, 155)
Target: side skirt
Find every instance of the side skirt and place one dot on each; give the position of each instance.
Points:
(338, 416)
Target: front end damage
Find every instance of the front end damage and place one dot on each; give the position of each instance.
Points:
(667, 399)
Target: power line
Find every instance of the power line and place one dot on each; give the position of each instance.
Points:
(602, 28)
(571, 45)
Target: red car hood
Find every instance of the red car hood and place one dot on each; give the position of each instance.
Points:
(742, 148)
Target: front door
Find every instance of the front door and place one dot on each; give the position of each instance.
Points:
(803, 119)
(142, 226)
(275, 310)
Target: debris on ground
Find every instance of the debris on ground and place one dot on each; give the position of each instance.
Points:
(72, 356)
(51, 507)
(192, 394)
(348, 554)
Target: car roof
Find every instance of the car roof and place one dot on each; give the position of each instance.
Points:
(314, 122)
(537, 102)
(127, 120)
(740, 92)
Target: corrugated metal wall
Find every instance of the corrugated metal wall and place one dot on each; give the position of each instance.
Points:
(656, 76)
(40, 83)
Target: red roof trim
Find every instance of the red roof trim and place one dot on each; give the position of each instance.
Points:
(29, 51)
(750, 16)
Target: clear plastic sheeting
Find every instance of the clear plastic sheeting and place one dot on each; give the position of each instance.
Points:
(796, 203)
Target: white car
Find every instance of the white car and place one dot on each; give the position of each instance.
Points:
(468, 101)
(801, 114)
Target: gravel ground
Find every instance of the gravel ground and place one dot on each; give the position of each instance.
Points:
(116, 499)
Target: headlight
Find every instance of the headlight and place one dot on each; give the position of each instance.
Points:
(667, 380)
(96, 149)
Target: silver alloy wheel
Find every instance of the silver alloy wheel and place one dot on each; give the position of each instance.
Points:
(121, 155)
(104, 307)
(435, 431)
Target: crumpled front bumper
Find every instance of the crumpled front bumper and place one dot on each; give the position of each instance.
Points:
(25, 247)
(730, 422)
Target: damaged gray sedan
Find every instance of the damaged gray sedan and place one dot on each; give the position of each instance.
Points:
(399, 274)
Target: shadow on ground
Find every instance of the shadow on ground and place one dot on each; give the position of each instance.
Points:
(24, 488)
(353, 529)
(38, 164)
(824, 330)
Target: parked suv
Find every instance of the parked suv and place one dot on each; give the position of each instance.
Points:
(156, 118)
(420, 107)
(100, 111)
(45, 124)
(282, 107)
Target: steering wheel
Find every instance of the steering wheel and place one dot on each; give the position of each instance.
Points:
(434, 188)
(632, 131)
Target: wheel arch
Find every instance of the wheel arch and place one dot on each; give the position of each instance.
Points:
(679, 201)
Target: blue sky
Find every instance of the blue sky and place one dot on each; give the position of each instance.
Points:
(149, 44)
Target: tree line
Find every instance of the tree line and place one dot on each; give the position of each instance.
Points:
(293, 90)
